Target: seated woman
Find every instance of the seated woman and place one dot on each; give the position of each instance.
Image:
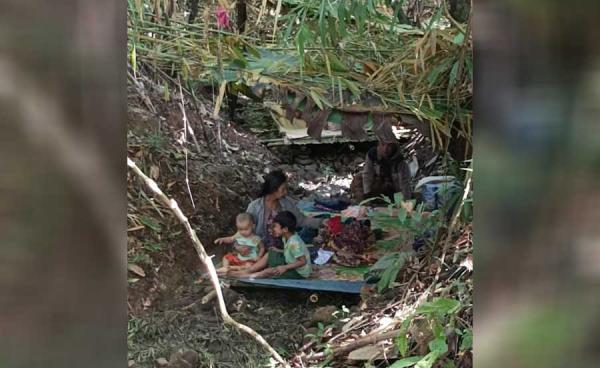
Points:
(272, 200)
(293, 263)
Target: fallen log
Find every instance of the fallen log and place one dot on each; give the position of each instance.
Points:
(367, 340)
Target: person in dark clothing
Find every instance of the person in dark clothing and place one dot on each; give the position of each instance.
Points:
(385, 172)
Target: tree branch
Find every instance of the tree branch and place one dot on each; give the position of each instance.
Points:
(174, 207)
(367, 340)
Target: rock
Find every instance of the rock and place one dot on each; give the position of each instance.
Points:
(313, 175)
(233, 300)
(312, 331)
(161, 363)
(191, 356)
(370, 352)
(131, 364)
(187, 359)
(422, 335)
(303, 160)
(208, 289)
(311, 167)
(286, 168)
(323, 314)
(366, 291)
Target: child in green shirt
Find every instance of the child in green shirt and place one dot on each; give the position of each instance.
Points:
(293, 263)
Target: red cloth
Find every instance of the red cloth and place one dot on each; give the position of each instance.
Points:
(235, 261)
(335, 225)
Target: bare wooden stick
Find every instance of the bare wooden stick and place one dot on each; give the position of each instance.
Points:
(172, 204)
(184, 143)
(208, 297)
(367, 340)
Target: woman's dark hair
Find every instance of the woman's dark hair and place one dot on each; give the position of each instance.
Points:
(273, 181)
(286, 219)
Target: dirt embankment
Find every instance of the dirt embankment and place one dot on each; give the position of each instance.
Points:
(223, 169)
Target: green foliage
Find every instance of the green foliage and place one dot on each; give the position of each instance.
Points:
(156, 141)
(152, 247)
(411, 225)
(140, 257)
(398, 218)
(387, 268)
(151, 223)
(438, 313)
(467, 340)
(406, 362)
(318, 336)
(402, 339)
(439, 307)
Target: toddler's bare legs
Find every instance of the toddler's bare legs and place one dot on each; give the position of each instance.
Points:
(223, 269)
(261, 264)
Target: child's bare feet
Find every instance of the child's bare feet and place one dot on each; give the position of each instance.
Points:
(222, 271)
(237, 273)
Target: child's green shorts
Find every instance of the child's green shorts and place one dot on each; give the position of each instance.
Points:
(278, 259)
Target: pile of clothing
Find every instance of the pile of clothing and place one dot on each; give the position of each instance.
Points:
(348, 240)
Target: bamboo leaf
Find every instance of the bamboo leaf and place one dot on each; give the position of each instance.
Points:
(406, 362)
(134, 59)
(469, 64)
(140, 9)
(342, 17)
(277, 12)
(333, 33)
(428, 360)
(453, 74)
(459, 39)
(302, 37)
(336, 63)
(322, 30)
(315, 96)
(166, 96)
(352, 87)
(402, 344)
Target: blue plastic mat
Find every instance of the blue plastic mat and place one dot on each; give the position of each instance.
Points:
(340, 286)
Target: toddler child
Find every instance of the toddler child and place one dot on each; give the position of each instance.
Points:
(247, 246)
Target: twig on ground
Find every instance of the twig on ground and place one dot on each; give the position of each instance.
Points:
(153, 204)
(367, 340)
(205, 259)
(185, 130)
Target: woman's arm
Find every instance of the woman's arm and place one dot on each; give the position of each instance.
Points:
(256, 209)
